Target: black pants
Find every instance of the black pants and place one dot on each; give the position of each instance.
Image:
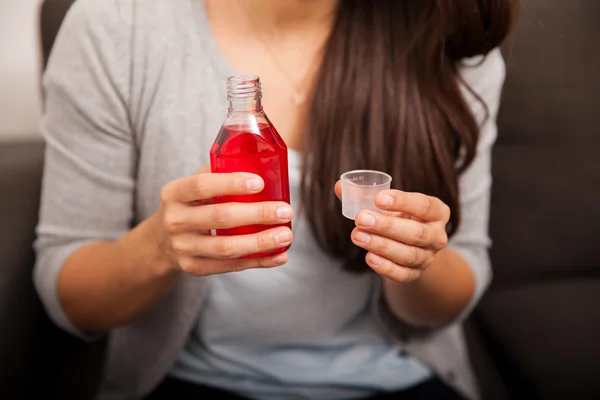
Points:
(173, 389)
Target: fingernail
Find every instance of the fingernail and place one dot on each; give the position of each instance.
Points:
(362, 237)
(254, 184)
(284, 212)
(387, 201)
(374, 259)
(365, 219)
(283, 236)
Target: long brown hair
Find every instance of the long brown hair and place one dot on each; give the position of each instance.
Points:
(388, 97)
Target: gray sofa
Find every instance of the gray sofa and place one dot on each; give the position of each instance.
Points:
(535, 335)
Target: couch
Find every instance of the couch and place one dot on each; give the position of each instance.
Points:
(536, 333)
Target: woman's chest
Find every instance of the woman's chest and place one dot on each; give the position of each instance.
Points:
(176, 128)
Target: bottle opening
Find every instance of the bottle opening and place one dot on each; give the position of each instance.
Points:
(242, 87)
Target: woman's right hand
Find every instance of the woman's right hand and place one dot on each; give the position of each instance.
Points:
(186, 217)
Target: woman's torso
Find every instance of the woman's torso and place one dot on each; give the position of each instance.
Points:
(304, 329)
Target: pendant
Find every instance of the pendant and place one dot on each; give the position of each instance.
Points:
(298, 98)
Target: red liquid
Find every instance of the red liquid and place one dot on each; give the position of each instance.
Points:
(238, 148)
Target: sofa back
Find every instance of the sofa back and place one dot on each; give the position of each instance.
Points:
(540, 319)
(546, 164)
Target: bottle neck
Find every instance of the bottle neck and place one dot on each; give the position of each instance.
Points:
(244, 93)
(249, 106)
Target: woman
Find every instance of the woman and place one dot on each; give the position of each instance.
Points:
(135, 97)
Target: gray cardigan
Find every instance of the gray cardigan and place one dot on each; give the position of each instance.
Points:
(129, 84)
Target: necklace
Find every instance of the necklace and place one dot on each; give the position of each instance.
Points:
(298, 96)
(299, 92)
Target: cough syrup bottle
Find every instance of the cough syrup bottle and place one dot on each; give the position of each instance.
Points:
(248, 142)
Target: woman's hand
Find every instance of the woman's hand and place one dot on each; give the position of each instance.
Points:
(186, 217)
(403, 242)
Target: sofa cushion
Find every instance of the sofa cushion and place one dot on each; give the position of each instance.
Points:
(545, 335)
(21, 313)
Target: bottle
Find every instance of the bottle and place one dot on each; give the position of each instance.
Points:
(248, 142)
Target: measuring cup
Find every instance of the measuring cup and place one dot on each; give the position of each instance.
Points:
(359, 188)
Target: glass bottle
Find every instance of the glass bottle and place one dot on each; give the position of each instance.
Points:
(248, 142)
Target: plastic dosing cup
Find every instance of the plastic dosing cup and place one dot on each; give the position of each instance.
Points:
(359, 189)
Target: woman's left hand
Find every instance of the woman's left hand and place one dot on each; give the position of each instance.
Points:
(403, 242)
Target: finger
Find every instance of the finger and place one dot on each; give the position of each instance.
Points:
(338, 189)
(198, 266)
(235, 246)
(399, 253)
(409, 231)
(231, 215)
(423, 207)
(203, 170)
(391, 270)
(207, 185)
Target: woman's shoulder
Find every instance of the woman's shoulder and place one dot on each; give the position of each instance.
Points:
(154, 18)
(125, 8)
(131, 55)
(484, 75)
(137, 38)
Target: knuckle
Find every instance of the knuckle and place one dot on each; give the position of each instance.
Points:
(264, 241)
(389, 224)
(166, 193)
(447, 212)
(199, 186)
(179, 247)
(237, 182)
(225, 247)
(220, 214)
(425, 206)
(381, 244)
(262, 263)
(236, 265)
(403, 276)
(412, 256)
(388, 268)
(443, 241)
(413, 275)
(171, 222)
(188, 266)
(263, 212)
(399, 201)
(422, 233)
(429, 261)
